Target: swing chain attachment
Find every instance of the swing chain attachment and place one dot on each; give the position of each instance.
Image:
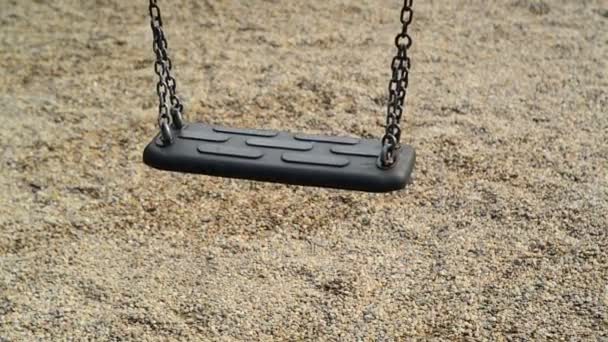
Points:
(397, 89)
(169, 113)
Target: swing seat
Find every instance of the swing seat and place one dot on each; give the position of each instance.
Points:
(281, 157)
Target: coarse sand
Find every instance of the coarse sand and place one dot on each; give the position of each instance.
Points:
(502, 236)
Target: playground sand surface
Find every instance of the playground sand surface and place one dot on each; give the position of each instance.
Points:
(503, 234)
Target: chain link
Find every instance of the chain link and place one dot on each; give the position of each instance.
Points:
(170, 107)
(397, 89)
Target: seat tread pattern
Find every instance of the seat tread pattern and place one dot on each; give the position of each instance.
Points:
(282, 157)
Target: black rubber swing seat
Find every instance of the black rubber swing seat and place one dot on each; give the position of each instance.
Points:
(281, 157)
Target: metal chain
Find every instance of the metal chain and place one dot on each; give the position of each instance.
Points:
(169, 112)
(397, 89)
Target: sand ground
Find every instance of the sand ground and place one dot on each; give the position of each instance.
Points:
(502, 236)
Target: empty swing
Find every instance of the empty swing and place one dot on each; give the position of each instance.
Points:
(372, 165)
